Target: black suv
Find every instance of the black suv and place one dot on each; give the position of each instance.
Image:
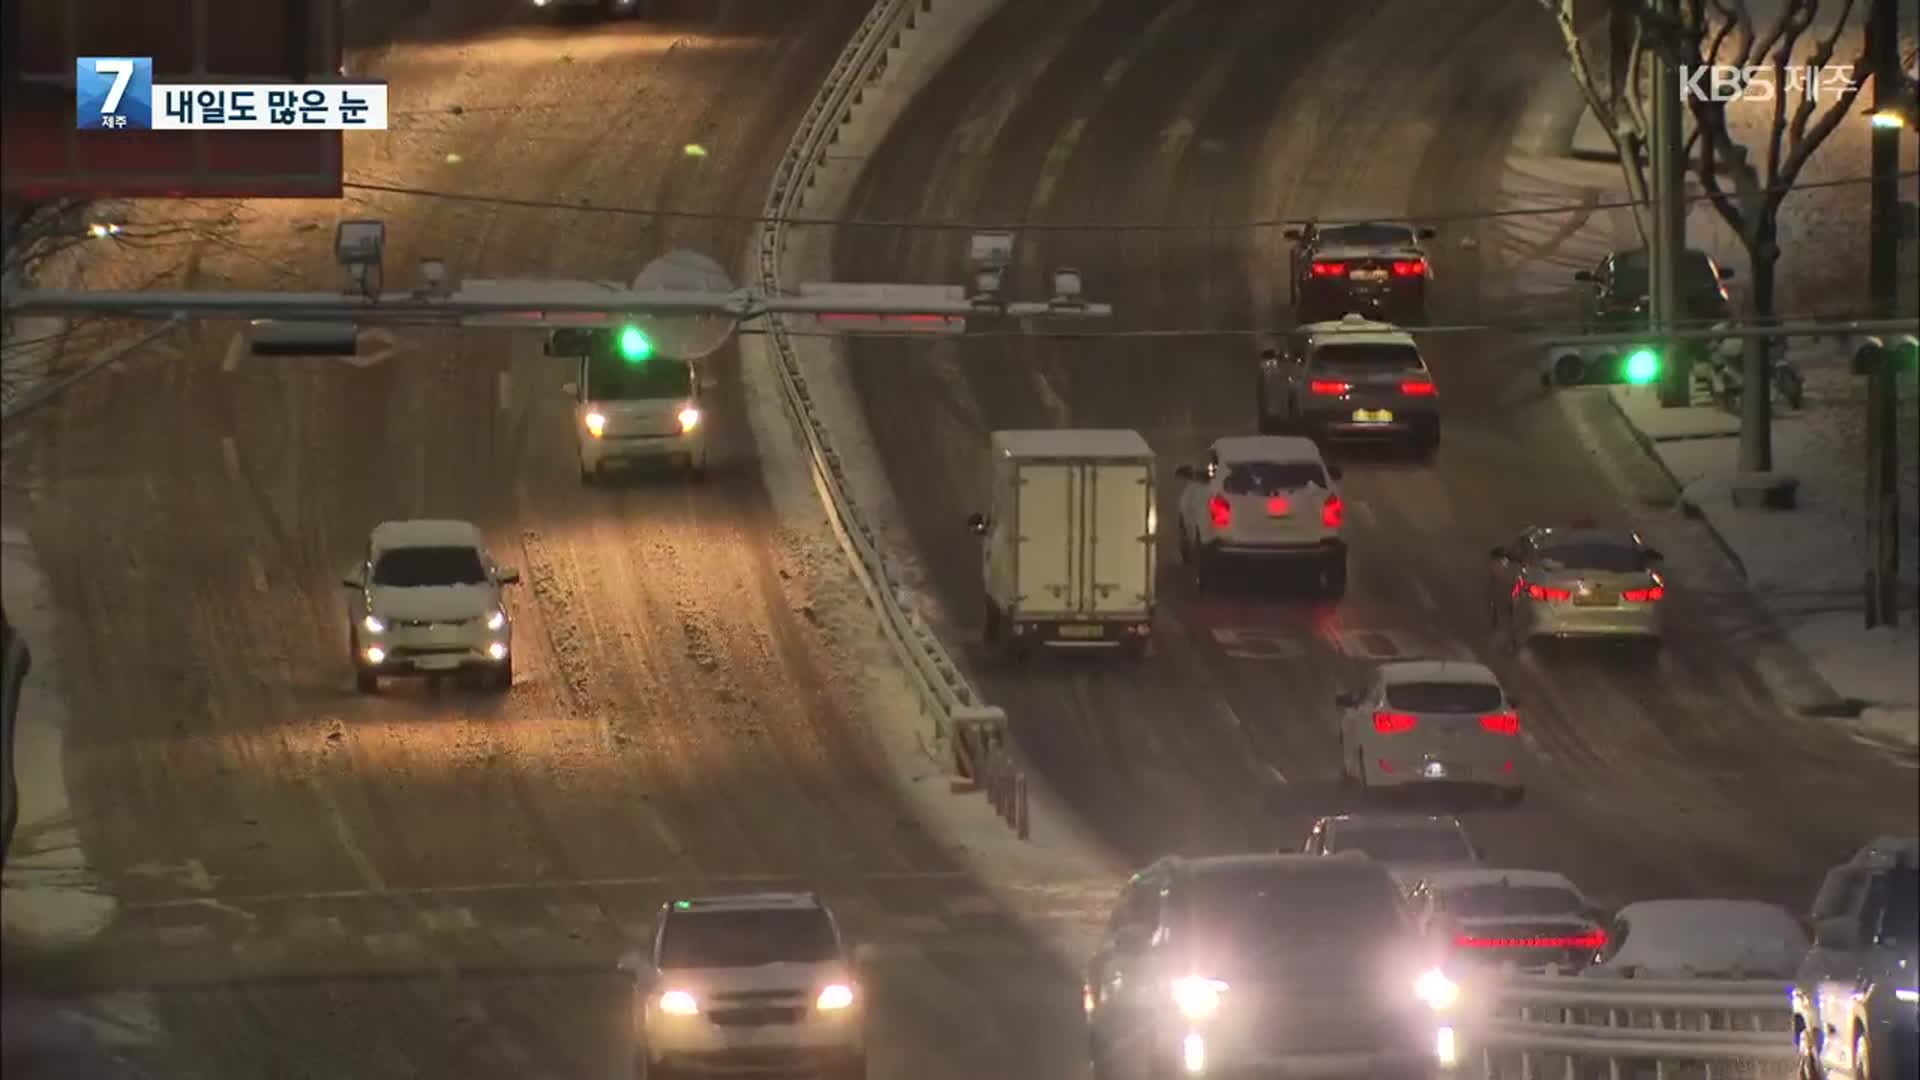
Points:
(1374, 268)
(1619, 288)
(1255, 963)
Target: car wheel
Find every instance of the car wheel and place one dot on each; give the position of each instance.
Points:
(1333, 577)
(1863, 1057)
(1360, 769)
(502, 677)
(366, 682)
(1809, 1064)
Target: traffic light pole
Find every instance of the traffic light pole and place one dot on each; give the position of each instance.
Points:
(1882, 584)
(1669, 214)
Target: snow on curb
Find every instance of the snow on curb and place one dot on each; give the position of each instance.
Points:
(1059, 882)
(1805, 565)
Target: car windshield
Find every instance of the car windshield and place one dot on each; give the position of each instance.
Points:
(1484, 901)
(1435, 845)
(419, 567)
(613, 379)
(1363, 359)
(1607, 557)
(1902, 920)
(1630, 274)
(1262, 477)
(1444, 697)
(1366, 234)
(1256, 908)
(735, 939)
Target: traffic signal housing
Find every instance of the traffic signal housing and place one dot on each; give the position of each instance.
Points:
(1899, 356)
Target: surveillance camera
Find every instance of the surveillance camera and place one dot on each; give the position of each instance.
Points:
(987, 282)
(992, 250)
(433, 277)
(1066, 286)
(359, 243)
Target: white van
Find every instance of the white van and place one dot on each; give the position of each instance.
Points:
(628, 411)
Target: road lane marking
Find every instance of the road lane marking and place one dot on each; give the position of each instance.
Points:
(505, 391)
(230, 363)
(1155, 30)
(1059, 155)
(448, 920)
(1255, 644)
(230, 454)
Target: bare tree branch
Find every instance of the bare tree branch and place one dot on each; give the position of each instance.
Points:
(1806, 141)
(1626, 127)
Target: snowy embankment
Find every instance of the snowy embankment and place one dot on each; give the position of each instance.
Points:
(1807, 564)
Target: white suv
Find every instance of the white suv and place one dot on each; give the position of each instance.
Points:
(428, 600)
(748, 984)
(1264, 498)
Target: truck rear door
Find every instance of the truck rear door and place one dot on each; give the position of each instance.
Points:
(1047, 563)
(1119, 544)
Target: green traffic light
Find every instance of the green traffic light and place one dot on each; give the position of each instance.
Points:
(634, 346)
(1643, 367)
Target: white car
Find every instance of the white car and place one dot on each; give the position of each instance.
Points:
(1702, 939)
(741, 985)
(428, 599)
(1264, 499)
(1433, 722)
(627, 411)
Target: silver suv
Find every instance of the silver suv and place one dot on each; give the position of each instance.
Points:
(1855, 1003)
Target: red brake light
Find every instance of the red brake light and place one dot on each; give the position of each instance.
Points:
(1221, 511)
(1329, 269)
(1277, 506)
(1593, 940)
(1329, 387)
(1419, 388)
(1409, 267)
(1644, 596)
(1504, 723)
(1540, 592)
(1393, 723)
(1332, 512)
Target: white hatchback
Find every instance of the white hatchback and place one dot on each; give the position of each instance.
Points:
(1264, 499)
(428, 599)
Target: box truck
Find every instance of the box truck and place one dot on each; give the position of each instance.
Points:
(1068, 552)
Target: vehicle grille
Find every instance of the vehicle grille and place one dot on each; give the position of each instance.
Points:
(402, 651)
(429, 624)
(757, 1016)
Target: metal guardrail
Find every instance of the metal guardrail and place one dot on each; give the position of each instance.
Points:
(1540, 1025)
(961, 716)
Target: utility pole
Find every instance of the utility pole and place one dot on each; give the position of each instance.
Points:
(1883, 458)
(1669, 209)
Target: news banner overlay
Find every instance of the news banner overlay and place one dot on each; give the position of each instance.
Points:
(113, 93)
(117, 93)
(270, 107)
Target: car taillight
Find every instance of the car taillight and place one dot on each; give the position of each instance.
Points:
(1501, 723)
(1221, 511)
(1277, 506)
(1329, 387)
(1419, 388)
(1329, 269)
(1593, 940)
(1409, 267)
(1643, 596)
(1393, 723)
(1332, 512)
(1540, 592)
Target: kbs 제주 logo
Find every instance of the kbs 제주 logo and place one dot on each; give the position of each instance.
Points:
(113, 93)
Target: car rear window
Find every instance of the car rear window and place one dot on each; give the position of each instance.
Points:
(1366, 235)
(735, 939)
(1444, 697)
(1263, 477)
(1438, 845)
(1492, 901)
(1361, 359)
(421, 567)
(1259, 907)
(1593, 555)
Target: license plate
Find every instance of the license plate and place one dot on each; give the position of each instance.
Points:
(1435, 770)
(438, 663)
(1593, 600)
(1368, 275)
(1373, 416)
(1082, 632)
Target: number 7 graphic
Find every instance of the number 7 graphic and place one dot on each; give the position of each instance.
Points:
(122, 72)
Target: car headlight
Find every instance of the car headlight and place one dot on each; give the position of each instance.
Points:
(1438, 991)
(835, 996)
(374, 624)
(498, 619)
(1197, 997)
(689, 419)
(1911, 997)
(596, 423)
(679, 1003)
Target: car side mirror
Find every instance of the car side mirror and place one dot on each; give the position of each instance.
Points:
(1654, 555)
(1499, 554)
(1346, 701)
(1726, 273)
(1291, 234)
(1839, 933)
(509, 577)
(1584, 275)
(977, 524)
(1183, 472)
(1427, 234)
(571, 389)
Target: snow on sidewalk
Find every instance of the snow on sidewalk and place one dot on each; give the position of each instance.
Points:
(1807, 564)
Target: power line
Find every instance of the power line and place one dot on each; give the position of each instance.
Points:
(584, 207)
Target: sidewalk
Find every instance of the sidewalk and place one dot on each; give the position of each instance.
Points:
(1806, 565)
